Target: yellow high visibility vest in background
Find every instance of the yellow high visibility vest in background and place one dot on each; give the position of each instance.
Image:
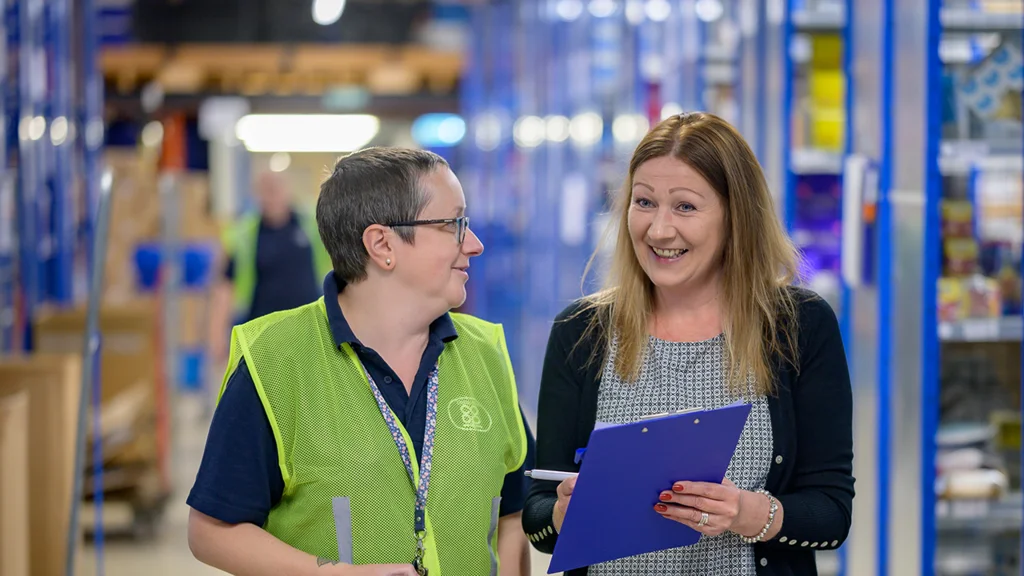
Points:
(240, 242)
(347, 493)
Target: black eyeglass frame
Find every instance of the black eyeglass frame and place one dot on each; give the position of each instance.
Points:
(461, 222)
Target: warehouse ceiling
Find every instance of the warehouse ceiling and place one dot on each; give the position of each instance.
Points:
(275, 49)
(255, 21)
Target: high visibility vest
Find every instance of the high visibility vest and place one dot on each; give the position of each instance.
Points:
(347, 493)
(240, 241)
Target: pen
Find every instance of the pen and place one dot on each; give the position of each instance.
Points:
(550, 475)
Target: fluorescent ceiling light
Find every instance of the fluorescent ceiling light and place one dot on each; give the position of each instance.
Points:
(630, 127)
(557, 128)
(586, 129)
(569, 10)
(658, 10)
(280, 161)
(709, 10)
(528, 131)
(670, 109)
(327, 12)
(488, 131)
(306, 132)
(438, 129)
(602, 8)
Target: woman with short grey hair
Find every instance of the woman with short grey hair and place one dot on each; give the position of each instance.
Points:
(345, 428)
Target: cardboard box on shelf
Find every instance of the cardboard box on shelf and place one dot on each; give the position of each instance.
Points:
(14, 462)
(53, 385)
(127, 428)
(129, 356)
(193, 319)
(127, 341)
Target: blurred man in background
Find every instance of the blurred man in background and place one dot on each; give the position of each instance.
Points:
(274, 261)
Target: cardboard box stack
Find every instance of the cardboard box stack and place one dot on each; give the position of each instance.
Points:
(134, 423)
(137, 217)
(52, 382)
(137, 229)
(134, 220)
(14, 483)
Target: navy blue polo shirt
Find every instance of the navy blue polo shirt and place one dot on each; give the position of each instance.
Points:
(239, 479)
(286, 276)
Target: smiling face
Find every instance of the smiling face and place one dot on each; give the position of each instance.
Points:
(434, 267)
(677, 226)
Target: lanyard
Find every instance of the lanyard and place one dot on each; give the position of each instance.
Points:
(404, 452)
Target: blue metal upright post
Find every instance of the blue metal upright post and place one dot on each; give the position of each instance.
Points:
(845, 295)
(761, 108)
(61, 262)
(8, 222)
(929, 299)
(91, 128)
(884, 244)
(31, 126)
(788, 177)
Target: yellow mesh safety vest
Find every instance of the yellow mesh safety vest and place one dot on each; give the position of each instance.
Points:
(347, 493)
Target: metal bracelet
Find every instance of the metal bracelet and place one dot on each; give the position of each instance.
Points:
(773, 507)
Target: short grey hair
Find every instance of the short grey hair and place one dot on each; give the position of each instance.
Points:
(373, 186)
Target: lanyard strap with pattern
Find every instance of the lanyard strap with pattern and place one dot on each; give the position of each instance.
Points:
(404, 451)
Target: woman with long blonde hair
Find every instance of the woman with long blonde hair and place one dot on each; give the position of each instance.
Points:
(700, 311)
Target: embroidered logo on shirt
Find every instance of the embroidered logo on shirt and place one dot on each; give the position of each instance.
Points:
(469, 415)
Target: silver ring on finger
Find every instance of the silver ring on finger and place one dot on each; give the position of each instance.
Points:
(703, 519)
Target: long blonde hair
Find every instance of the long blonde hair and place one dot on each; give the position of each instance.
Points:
(759, 262)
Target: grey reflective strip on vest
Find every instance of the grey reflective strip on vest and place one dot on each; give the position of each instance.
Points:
(495, 512)
(343, 527)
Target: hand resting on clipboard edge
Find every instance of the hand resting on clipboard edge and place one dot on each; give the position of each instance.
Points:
(610, 507)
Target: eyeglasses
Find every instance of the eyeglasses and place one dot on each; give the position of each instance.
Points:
(461, 225)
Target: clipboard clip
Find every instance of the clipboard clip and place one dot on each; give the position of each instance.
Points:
(666, 414)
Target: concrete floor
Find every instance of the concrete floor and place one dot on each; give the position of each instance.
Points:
(167, 554)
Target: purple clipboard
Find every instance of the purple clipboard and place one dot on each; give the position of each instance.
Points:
(611, 514)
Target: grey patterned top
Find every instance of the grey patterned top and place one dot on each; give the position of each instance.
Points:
(676, 376)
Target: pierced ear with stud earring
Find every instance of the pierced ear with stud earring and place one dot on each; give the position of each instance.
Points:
(388, 261)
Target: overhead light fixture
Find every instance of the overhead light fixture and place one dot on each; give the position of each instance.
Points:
(153, 134)
(602, 8)
(280, 161)
(635, 12)
(488, 131)
(327, 12)
(437, 129)
(59, 131)
(709, 10)
(569, 10)
(658, 10)
(557, 128)
(630, 128)
(670, 109)
(586, 129)
(528, 131)
(306, 132)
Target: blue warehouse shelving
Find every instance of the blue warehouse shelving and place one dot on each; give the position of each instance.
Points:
(49, 195)
(934, 179)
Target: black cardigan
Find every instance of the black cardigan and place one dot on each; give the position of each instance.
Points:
(812, 422)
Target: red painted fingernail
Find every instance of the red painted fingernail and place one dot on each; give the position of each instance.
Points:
(661, 508)
(678, 488)
(666, 497)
